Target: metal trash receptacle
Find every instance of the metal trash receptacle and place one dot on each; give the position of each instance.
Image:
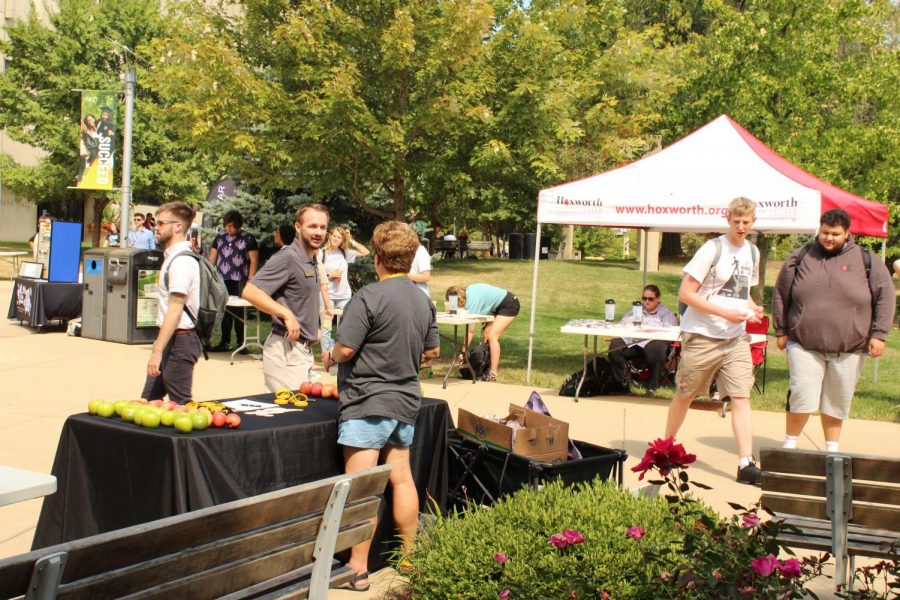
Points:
(132, 295)
(93, 298)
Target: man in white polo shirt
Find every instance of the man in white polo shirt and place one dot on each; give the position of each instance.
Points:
(170, 369)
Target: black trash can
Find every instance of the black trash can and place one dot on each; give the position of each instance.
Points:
(528, 247)
(515, 245)
(481, 475)
(545, 247)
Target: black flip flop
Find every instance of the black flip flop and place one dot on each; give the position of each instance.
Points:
(354, 586)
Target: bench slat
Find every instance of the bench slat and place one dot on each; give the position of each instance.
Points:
(243, 574)
(807, 462)
(788, 484)
(876, 493)
(864, 515)
(816, 535)
(215, 554)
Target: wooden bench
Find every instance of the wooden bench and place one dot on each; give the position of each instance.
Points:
(280, 544)
(846, 504)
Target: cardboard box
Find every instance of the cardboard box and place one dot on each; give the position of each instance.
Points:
(542, 438)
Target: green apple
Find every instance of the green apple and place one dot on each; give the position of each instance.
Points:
(200, 421)
(120, 406)
(106, 409)
(184, 423)
(92, 406)
(128, 412)
(167, 418)
(150, 419)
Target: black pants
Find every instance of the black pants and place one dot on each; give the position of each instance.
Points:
(231, 319)
(654, 353)
(176, 370)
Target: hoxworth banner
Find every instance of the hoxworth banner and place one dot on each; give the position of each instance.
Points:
(97, 140)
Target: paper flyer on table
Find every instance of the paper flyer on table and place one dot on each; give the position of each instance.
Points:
(245, 405)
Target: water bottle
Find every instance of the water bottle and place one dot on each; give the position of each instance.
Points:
(610, 311)
(454, 303)
(328, 344)
(637, 312)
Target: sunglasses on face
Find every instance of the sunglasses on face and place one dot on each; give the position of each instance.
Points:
(648, 298)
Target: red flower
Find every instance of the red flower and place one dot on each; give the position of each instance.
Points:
(764, 565)
(750, 520)
(572, 536)
(664, 455)
(504, 595)
(789, 568)
(559, 540)
(500, 557)
(635, 532)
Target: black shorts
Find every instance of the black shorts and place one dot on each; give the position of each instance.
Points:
(508, 307)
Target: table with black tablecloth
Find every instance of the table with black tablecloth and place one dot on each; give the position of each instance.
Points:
(38, 302)
(113, 474)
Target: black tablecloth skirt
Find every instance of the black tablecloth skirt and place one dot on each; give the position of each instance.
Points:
(37, 302)
(113, 474)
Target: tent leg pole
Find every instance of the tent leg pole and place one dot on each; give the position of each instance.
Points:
(644, 257)
(537, 257)
(883, 259)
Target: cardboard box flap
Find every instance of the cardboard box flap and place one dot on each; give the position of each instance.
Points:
(539, 435)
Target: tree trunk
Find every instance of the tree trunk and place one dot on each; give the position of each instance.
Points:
(670, 246)
(758, 292)
(99, 205)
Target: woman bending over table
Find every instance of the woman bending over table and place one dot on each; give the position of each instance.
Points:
(484, 299)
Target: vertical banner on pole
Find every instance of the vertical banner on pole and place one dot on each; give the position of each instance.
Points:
(97, 140)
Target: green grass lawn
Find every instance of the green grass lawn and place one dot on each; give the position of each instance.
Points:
(569, 290)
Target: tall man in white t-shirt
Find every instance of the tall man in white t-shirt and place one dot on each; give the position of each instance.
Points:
(170, 369)
(714, 339)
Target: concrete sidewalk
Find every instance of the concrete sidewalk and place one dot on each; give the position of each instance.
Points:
(49, 376)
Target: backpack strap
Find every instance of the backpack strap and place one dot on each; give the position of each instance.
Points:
(166, 280)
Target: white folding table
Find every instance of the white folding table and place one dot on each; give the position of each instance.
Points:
(457, 320)
(17, 485)
(249, 340)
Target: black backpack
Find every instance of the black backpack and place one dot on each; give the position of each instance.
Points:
(213, 298)
(599, 381)
(480, 359)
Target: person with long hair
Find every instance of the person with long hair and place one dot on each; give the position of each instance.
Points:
(484, 299)
(88, 146)
(337, 255)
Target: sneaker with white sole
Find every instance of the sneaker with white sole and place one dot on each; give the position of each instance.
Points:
(750, 474)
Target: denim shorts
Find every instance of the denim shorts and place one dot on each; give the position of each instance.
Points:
(375, 433)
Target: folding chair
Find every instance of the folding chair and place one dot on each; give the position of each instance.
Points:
(638, 373)
(759, 352)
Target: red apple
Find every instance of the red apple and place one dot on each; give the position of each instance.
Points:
(315, 389)
(329, 390)
(233, 420)
(218, 419)
(156, 402)
(305, 387)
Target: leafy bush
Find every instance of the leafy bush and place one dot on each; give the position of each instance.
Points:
(361, 272)
(522, 545)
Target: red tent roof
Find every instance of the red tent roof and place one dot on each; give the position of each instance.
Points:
(866, 217)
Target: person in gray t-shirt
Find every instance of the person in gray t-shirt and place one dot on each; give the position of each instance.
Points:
(388, 329)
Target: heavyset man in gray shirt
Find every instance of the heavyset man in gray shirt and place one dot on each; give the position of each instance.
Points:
(287, 288)
(829, 312)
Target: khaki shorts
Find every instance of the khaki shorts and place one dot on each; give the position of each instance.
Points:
(704, 359)
(285, 364)
(822, 380)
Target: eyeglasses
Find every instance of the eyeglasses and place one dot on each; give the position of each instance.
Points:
(137, 220)
(159, 223)
(648, 298)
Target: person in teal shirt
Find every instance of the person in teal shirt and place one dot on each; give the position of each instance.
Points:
(484, 299)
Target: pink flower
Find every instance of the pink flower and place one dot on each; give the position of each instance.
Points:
(750, 520)
(559, 540)
(764, 565)
(635, 532)
(665, 575)
(691, 585)
(572, 536)
(664, 455)
(717, 574)
(504, 595)
(500, 557)
(747, 591)
(789, 568)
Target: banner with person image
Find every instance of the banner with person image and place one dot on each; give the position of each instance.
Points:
(97, 140)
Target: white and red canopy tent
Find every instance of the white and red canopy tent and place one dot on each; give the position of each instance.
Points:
(687, 187)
